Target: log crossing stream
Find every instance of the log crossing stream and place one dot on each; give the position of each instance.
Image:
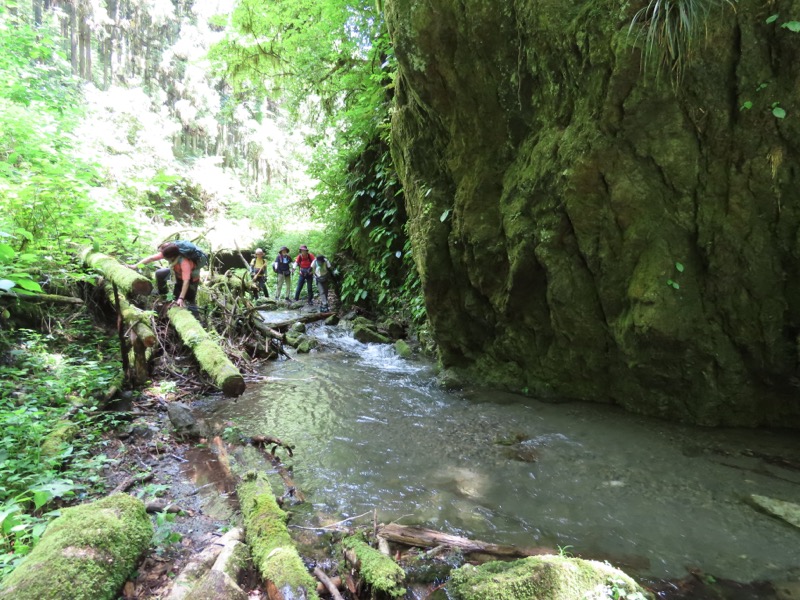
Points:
(657, 499)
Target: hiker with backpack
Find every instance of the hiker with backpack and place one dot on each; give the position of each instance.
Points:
(283, 269)
(322, 273)
(258, 269)
(303, 262)
(185, 261)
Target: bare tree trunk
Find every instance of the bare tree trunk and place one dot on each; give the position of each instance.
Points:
(73, 38)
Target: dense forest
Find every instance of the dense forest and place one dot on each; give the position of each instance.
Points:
(593, 201)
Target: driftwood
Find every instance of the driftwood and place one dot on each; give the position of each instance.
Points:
(262, 441)
(127, 280)
(428, 538)
(130, 481)
(216, 566)
(208, 353)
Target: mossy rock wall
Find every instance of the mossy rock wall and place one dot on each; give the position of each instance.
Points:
(586, 230)
(85, 554)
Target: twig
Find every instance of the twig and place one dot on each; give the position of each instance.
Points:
(332, 524)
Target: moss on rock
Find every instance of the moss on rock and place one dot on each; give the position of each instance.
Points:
(543, 578)
(85, 554)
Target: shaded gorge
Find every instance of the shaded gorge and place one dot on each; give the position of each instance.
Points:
(657, 499)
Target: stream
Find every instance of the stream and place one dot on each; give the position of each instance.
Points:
(373, 431)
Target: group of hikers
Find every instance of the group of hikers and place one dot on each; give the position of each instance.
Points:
(311, 268)
(186, 260)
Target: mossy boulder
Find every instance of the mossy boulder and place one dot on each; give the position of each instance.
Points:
(403, 349)
(583, 228)
(56, 441)
(85, 554)
(368, 335)
(543, 578)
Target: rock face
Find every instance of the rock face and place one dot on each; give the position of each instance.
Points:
(586, 230)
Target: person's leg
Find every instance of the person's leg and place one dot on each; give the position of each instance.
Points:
(191, 299)
(323, 294)
(288, 278)
(310, 287)
(299, 288)
(280, 285)
(262, 285)
(162, 276)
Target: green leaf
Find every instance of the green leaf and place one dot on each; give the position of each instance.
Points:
(6, 252)
(793, 26)
(679, 266)
(29, 284)
(444, 216)
(779, 113)
(747, 105)
(772, 18)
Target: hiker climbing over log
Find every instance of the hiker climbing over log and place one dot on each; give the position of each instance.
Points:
(185, 260)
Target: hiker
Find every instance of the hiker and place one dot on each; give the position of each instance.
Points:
(322, 273)
(258, 269)
(283, 269)
(303, 262)
(185, 270)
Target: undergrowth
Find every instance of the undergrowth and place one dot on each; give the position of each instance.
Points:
(49, 382)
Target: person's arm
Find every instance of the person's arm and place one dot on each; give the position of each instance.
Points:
(149, 259)
(186, 276)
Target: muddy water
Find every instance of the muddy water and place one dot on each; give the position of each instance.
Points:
(372, 431)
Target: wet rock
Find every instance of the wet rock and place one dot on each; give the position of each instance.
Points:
(514, 437)
(403, 349)
(366, 335)
(788, 511)
(448, 379)
(332, 320)
(394, 328)
(184, 422)
(307, 344)
(299, 327)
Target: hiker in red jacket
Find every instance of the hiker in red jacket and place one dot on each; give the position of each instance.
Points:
(303, 261)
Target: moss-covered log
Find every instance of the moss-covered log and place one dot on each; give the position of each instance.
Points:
(208, 353)
(86, 554)
(12, 297)
(379, 571)
(134, 318)
(127, 280)
(270, 544)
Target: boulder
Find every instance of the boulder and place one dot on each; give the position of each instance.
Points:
(546, 577)
(403, 349)
(367, 335)
(787, 511)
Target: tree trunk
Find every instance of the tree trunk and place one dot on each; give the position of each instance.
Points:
(135, 319)
(207, 352)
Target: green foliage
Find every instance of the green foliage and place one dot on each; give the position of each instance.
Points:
(668, 28)
(41, 381)
(164, 536)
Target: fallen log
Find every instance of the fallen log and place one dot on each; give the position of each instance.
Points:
(87, 552)
(127, 280)
(208, 353)
(271, 547)
(304, 319)
(134, 318)
(429, 538)
(216, 556)
(40, 298)
(379, 571)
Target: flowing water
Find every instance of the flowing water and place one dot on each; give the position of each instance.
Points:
(372, 430)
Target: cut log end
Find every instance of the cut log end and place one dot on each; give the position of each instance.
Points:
(233, 387)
